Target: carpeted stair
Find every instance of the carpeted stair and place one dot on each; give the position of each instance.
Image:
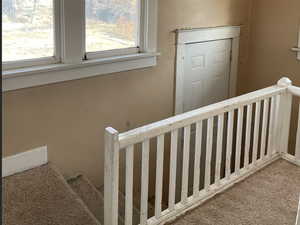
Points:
(94, 199)
(41, 196)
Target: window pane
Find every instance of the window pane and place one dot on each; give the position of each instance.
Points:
(28, 30)
(111, 24)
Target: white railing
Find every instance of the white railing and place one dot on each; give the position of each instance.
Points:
(241, 135)
(298, 214)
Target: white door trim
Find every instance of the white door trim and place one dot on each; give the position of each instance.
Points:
(24, 161)
(187, 36)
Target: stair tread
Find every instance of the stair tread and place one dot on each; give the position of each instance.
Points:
(41, 196)
(94, 199)
(89, 195)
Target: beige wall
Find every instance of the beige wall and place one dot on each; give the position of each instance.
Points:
(70, 117)
(274, 31)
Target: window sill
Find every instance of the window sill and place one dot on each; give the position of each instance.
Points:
(297, 50)
(41, 75)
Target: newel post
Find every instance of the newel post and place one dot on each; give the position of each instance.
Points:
(283, 118)
(111, 176)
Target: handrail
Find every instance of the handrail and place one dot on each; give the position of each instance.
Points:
(267, 110)
(294, 90)
(167, 125)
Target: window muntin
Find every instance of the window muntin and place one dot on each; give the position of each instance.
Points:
(69, 44)
(111, 24)
(28, 29)
(70, 60)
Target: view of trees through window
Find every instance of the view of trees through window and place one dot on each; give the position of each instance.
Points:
(27, 29)
(111, 24)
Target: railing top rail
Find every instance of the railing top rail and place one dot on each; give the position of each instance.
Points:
(294, 90)
(152, 130)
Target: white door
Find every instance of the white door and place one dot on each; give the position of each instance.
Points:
(206, 73)
(206, 81)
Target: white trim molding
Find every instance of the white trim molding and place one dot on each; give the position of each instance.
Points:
(24, 161)
(297, 49)
(187, 36)
(290, 158)
(36, 76)
(72, 62)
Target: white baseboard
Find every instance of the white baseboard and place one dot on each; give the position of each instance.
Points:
(24, 161)
(192, 202)
(291, 158)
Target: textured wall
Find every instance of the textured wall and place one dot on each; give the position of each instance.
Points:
(274, 31)
(70, 117)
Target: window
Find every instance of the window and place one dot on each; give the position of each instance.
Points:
(27, 31)
(297, 49)
(82, 38)
(112, 24)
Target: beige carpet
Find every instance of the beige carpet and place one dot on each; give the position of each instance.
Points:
(41, 196)
(94, 200)
(269, 197)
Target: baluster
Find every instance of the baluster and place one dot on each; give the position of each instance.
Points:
(297, 151)
(209, 143)
(298, 214)
(239, 140)
(185, 166)
(264, 129)
(219, 148)
(271, 127)
(159, 175)
(144, 182)
(173, 165)
(229, 143)
(198, 141)
(248, 135)
(129, 185)
(256, 132)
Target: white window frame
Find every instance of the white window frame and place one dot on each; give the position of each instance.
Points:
(42, 60)
(111, 53)
(72, 62)
(123, 51)
(297, 49)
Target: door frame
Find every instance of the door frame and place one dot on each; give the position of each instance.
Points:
(198, 35)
